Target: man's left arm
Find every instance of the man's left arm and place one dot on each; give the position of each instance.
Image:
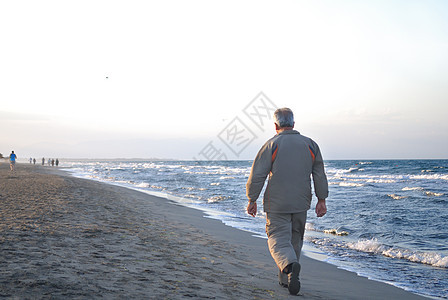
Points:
(321, 208)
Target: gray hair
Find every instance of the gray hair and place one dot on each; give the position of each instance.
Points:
(284, 117)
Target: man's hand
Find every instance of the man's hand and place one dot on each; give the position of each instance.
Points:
(321, 208)
(252, 209)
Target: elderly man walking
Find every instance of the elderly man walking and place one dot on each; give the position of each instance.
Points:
(290, 159)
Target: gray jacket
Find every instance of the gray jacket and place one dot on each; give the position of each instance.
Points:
(290, 159)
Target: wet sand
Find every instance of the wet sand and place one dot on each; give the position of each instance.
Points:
(68, 238)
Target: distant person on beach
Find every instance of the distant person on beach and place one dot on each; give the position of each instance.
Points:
(57, 162)
(43, 161)
(34, 161)
(12, 161)
(289, 159)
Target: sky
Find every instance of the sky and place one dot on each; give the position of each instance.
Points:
(200, 79)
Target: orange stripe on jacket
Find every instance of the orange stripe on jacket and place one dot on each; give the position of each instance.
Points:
(313, 156)
(274, 153)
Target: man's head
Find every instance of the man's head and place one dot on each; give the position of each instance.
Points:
(283, 118)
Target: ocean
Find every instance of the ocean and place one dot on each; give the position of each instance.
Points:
(387, 219)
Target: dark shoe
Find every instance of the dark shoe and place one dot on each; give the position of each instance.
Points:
(293, 279)
(285, 285)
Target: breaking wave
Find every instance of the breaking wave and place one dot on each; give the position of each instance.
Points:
(215, 199)
(412, 188)
(396, 197)
(375, 247)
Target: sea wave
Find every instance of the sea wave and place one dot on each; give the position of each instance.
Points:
(156, 187)
(389, 178)
(350, 184)
(430, 177)
(310, 226)
(396, 197)
(343, 171)
(381, 180)
(215, 199)
(226, 177)
(340, 231)
(143, 185)
(374, 246)
(333, 172)
(433, 194)
(365, 178)
(417, 188)
(336, 232)
(427, 193)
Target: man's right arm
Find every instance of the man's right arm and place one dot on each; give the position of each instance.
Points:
(260, 170)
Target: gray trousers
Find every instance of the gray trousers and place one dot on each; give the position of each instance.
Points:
(285, 238)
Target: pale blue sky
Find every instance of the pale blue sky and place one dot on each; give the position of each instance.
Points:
(366, 79)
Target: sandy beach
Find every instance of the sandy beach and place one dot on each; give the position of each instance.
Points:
(63, 237)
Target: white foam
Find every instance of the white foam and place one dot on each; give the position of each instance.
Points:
(366, 178)
(188, 188)
(434, 194)
(337, 174)
(417, 188)
(373, 246)
(381, 180)
(396, 197)
(430, 177)
(156, 187)
(215, 199)
(309, 226)
(350, 184)
(336, 232)
(428, 258)
(143, 185)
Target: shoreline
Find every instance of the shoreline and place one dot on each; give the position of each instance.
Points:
(64, 236)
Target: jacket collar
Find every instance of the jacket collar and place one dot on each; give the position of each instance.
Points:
(289, 132)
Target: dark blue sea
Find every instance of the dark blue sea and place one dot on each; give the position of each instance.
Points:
(387, 219)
